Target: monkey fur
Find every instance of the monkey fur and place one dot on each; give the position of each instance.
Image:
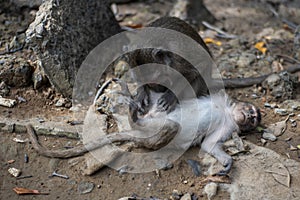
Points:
(217, 116)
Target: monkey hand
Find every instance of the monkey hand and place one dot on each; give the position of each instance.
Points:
(227, 165)
(142, 100)
(167, 102)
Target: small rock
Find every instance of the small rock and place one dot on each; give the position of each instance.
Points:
(269, 136)
(176, 195)
(263, 141)
(38, 77)
(85, 187)
(124, 169)
(15, 172)
(280, 111)
(4, 89)
(121, 68)
(39, 29)
(72, 182)
(245, 60)
(210, 190)
(61, 102)
(7, 102)
(187, 196)
(291, 105)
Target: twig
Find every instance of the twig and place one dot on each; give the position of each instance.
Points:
(11, 51)
(288, 58)
(285, 21)
(222, 34)
(100, 91)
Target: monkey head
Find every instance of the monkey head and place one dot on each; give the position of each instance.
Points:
(246, 115)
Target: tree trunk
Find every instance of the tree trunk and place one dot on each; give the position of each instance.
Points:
(63, 34)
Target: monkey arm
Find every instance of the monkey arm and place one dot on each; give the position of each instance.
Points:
(215, 148)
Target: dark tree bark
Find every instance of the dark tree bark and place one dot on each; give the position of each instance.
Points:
(64, 32)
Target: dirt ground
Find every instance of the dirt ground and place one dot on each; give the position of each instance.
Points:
(241, 17)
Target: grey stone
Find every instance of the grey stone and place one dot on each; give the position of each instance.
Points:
(85, 187)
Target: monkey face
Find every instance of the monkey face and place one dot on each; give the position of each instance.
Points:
(246, 115)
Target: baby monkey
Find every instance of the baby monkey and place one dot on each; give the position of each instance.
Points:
(216, 118)
(207, 121)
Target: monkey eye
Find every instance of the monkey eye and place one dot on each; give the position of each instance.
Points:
(251, 111)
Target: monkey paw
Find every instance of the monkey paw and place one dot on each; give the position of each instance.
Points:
(227, 167)
(142, 101)
(167, 102)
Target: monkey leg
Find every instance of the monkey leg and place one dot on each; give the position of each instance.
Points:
(216, 150)
(163, 136)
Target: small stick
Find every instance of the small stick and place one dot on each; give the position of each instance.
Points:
(223, 34)
(288, 58)
(289, 23)
(100, 91)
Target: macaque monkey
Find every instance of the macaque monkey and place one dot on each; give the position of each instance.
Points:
(216, 118)
(168, 100)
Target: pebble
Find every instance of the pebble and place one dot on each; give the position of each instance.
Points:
(14, 171)
(263, 141)
(210, 190)
(176, 194)
(85, 187)
(281, 112)
(269, 136)
(187, 196)
(61, 102)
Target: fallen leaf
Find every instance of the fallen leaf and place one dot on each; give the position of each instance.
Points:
(278, 128)
(10, 161)
(135, 26)
(260, 129)
(280, 173)
(21, 191)
(260, 46)
(210, 40)
(214, 178)
(277, 66)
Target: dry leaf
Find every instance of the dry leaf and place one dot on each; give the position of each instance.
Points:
(25, 191)
(210, 40)
(278, 128)
(135, 26)
(277, 66)
(260, 46)
(214, 178)
(280, 174)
